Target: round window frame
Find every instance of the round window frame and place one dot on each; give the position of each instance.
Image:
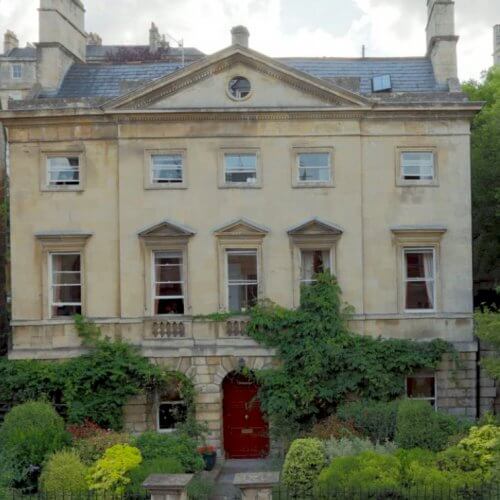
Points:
(228, 91)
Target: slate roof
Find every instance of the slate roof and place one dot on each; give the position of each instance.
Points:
(22, 53)
(408, 74)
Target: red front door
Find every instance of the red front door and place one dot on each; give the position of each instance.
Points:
(246, 433)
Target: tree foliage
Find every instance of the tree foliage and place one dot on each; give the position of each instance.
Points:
(485, 176)
(487, 324)
(323, 362)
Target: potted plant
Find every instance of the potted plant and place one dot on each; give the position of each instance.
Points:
(209, 454)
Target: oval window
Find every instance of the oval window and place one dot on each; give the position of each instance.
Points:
(239, 87)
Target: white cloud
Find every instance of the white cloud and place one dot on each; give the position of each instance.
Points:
(386, 27)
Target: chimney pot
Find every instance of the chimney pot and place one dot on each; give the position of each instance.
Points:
(240, 35)
(10, 41)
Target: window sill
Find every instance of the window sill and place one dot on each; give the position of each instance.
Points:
(300, 185)
(240, 186)
(401, 183)
(62, 189)
(160, 187)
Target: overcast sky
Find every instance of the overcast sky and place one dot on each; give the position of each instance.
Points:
(281, 27)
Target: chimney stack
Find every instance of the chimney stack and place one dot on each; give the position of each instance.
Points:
(94, 39)
(63, 40)
(496, 45)
(10, 41)
(442, 41)
(240, 36)
(154, 39)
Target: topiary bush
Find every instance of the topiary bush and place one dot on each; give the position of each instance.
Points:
(420, 426)
(93, 447)
(375, 419)
(30, 433)
(367, 472)
(148, 467)
(110, 474)
(303, 463)
(175, 445)
(350, 446)
(64, 473)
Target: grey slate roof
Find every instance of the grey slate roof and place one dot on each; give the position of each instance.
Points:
(22, 53)
(411, 74)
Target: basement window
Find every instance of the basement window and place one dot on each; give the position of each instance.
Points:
(422, 387)
(382, 83)
(172, 410)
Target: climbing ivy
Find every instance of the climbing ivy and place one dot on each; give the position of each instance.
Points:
(95, 385)
(323, 363)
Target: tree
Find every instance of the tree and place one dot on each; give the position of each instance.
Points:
(486, 177)
(488, 329)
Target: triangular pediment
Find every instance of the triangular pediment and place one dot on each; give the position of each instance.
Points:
(241, 227)
(167, 229)
(204, 83)
(315, 227)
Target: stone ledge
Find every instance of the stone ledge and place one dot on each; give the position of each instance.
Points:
(256, 479)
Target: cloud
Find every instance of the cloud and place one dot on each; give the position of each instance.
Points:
(329, 27)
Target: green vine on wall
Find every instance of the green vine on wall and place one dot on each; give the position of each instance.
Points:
(323, 363)
(95, 385)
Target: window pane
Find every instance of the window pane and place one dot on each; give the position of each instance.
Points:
(63, 170)
(171, 414)
(66, 278)
(168, 273)
(169, 306)
(168, 289)
(419, 295)
(167, 168)
(419, 265)
(314, 160)
(65, 310)
(67, 293)
(168, 258)
(242, 297)
(420, 387)
(314, 174)
(314, 262)
(418, 165)
(66, 262)
(240, 167)
(242, 266)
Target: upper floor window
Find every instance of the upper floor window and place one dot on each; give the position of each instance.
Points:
(168, 283)
(167, 168)
(17, 71)
(63, 171)
(65, 284)
(242, 279)
(419, 276)
(314, 167)
(240, 168)
(313, 262)
(417, 167)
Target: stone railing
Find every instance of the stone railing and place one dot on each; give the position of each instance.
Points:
(167, 328)
(236, 327)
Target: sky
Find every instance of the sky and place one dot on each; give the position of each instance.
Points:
(318, 28)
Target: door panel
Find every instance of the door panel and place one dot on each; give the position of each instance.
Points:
(246, 433)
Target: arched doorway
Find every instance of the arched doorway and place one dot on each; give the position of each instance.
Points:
(246, 433)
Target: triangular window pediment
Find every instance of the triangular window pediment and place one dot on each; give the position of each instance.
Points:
(241, 227)
(315, 227)
(167, 229)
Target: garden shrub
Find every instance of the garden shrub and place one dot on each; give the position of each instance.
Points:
(350, 446)
(333, 427)
(420, 426)
(366, 472)
(200, 488)
(110, 473)
(175, 445)
(93, 447)
(303, 463)
(148, 467)
(375, 419)
(64, 473)
(30, 433)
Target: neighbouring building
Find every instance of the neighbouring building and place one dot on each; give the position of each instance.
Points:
(496, 45)
(150, 188)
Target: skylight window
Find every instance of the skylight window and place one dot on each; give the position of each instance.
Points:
(382, 83)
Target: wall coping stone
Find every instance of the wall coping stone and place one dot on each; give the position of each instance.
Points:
(167, 483)
(245, 480)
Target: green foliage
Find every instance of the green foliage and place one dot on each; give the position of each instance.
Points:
(200, 488)
(148, 467)
(376, 419)
(485, 178)
(30, 433)
(332, 427)
(303, 463)
(487, 327)
(176, 445)
(420, 426)
(350, 446)
(110, 473)
(92, 448)
(368, 471)
(65, 473)
(95, 385)
(322, 362)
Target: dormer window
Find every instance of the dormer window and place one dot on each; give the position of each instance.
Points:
(382, 83)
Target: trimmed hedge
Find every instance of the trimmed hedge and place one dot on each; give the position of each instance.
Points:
(65, 473)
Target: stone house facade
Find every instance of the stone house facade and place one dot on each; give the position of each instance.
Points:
(147, 195)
